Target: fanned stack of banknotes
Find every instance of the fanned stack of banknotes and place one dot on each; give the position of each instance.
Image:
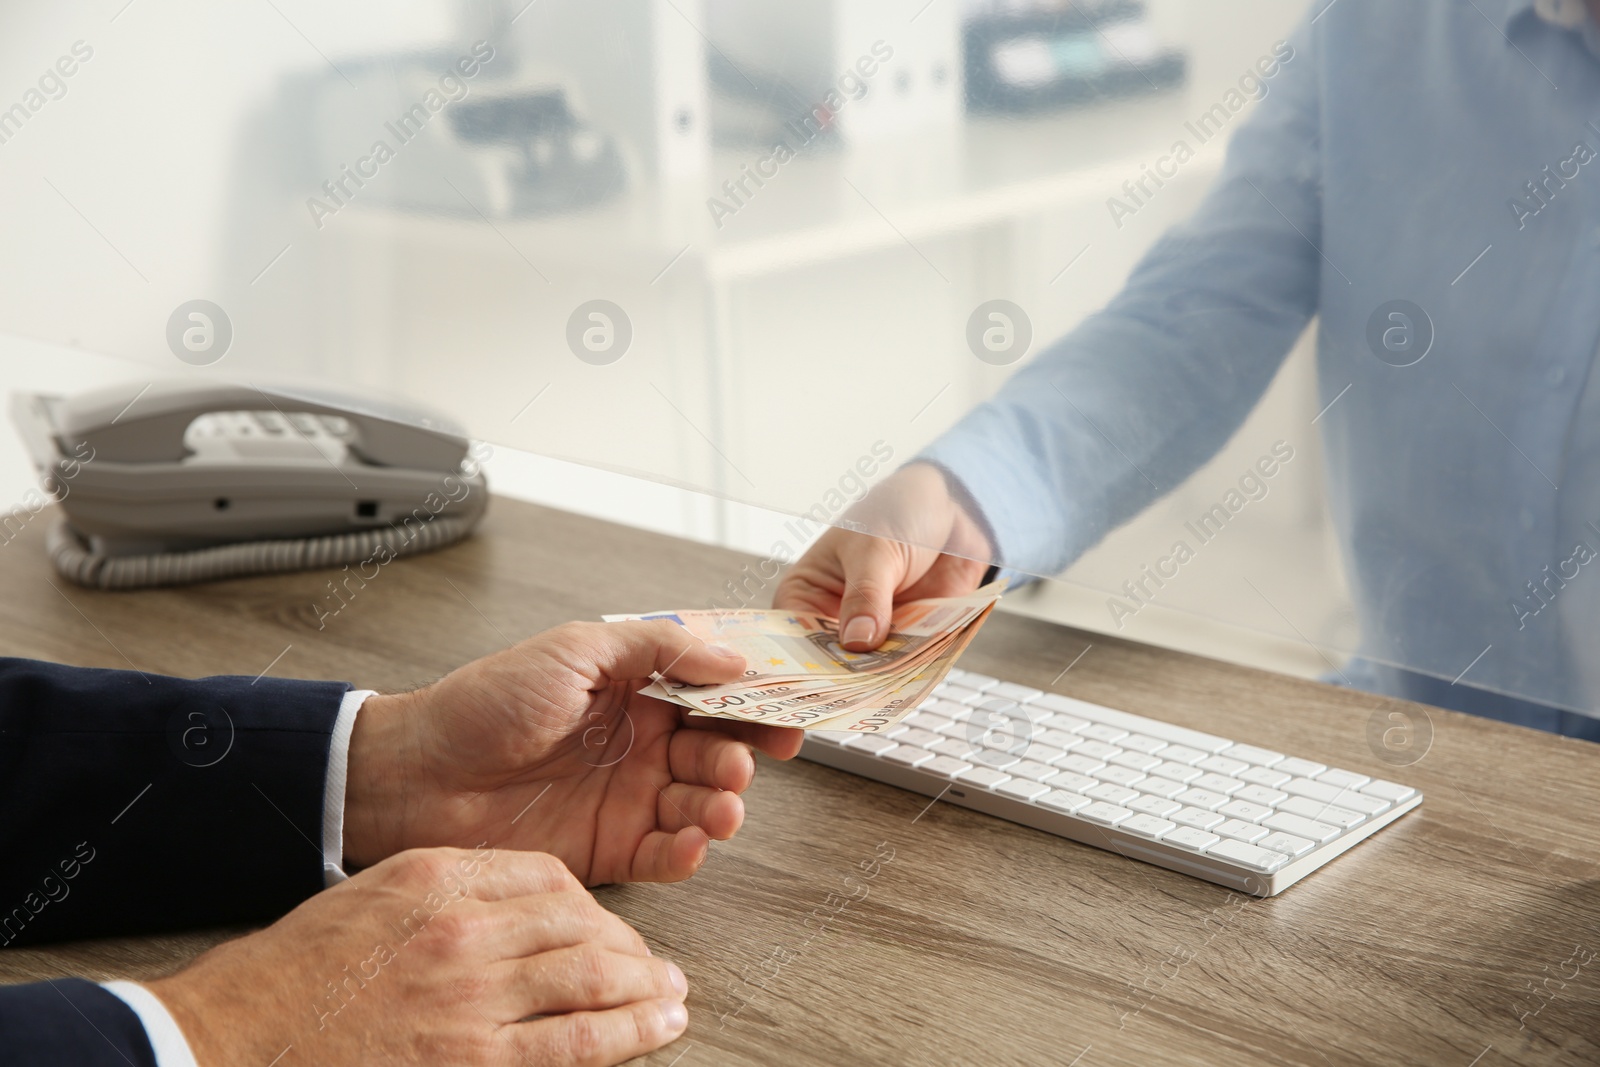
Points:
(798, 675)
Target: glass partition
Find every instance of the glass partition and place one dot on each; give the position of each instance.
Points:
(1240, 330)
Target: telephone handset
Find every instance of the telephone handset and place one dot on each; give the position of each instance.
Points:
(170, 481)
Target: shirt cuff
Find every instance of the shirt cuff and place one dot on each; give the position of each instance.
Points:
(166, 1040)
(334, 785)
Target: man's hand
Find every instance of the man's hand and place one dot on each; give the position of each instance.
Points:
(433, 957)
(548, 747)
(859, 578)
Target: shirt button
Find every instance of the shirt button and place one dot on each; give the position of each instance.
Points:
(1527, 519)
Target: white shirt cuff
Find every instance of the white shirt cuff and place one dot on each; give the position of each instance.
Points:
(166, 1040)
(333, 791)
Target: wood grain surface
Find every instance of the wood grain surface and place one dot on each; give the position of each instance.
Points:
(851, 922)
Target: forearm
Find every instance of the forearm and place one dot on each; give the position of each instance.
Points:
(1125, 407)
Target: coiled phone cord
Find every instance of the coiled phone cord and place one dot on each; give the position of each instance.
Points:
(77, 562)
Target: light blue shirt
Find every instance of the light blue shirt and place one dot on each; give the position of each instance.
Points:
(1442, 152)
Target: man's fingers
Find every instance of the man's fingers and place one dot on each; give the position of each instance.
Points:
(526, 926)
(716, 811)
(600, 1038)
(669, 857)
(779, 742)
(484, 873)
(707, 757)
(873, 570)
(628, 651)
(579, 978)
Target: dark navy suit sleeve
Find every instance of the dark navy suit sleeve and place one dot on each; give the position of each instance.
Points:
(133, 803)
(70, 1022)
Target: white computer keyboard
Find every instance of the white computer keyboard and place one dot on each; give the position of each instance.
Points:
(1231, 813)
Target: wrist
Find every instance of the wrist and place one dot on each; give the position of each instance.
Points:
(970, 535)
(381, 748)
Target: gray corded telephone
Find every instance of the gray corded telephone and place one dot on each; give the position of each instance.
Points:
(168, 482)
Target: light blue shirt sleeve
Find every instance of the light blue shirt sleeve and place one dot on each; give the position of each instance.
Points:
(1141, 394)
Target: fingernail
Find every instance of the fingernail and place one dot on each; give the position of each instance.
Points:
(857, 631)
(679, 982)
(724, 651)
(674, 1016)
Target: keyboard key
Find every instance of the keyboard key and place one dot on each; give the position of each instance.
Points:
(915, 735)
(958, 747)
(1264, 776)
(1013, 691)
(1069, 723)
(1146, 825)
(1153, 805)
(830, 737)
(1031, 770)
(974, 680)
(992, 758)
(1243, 809)
(1202, 798)
(1080, 764)
(1316, 809)
(986, 777)
(1105, 814)
(950, 709)
(1101, 732)
(1176, 771)
(1300, 826)
(1200, 820)
(907, 756)
(1301, 768)
(1161, 787)
(1138, 761)
(1182, 754)
(1218, 783)
(926, 720)
(1261, 757)
(1021, 788)
(1112, 794)
(1260, 794)
(869, 743)
(1002, 739)
(1288, 844)
(1143, 743)
(1246, 855)
(1077, 783)
(1239, 830)
(1344, 779)
(1222, 765)
(1097, 749)
(1061, 739)
(944, 766)
(959, 693)
(1389, 791)
(1367, 805)
(1061, 800)
(1042, 753)
(1117, 775)
(1305, 787)
(1189, 837)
